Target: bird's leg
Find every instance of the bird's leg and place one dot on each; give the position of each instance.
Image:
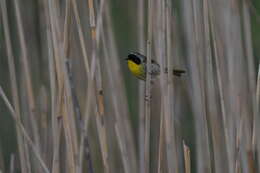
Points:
(165, 70)
(150, 72)
(147, 98)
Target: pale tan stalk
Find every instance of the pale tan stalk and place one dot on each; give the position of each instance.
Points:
(12, 163)
(27, 75)
(122, 149)
(66, 108)
(84, 143)
(187, 159)
(23, 131)
(81, 37)
(117, 91)
(90, 74)
(141, 85)
(161, 45)
(161, 142)
(254, 140)
(55, 101)
(118, 127)
(211, 93)
(251, 147)
(169, 95)
(100, 119)
(193, 22)
(14, 87)
(221, 92)
(148, 89)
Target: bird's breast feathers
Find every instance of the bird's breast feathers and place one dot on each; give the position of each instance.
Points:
(136, 69)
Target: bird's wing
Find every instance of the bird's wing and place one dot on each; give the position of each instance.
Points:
(155, 68)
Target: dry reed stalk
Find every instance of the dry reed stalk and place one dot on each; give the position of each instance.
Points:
(101, 122)
(2, 165)
(84, 143)
(98, 89)
(27, 75)
(56, 146)
(12, 163)
(103, 138)
(56, 126)
(251, 162)
(237, 92)
(141, 26)
(141, 85)
(161, 143)
(56, 133)
(187, 159)
(88, 109)
(254, 138)
(258, 87)
(84, 137)
(14, 86)
(141, 127)
(192, 25)
(66, 108)
(252, 84)
(161, 44)
(231, 64)
(90, 74)
(250, 120)
(23, 131)
(70, 98)
(215, 121)
(240, 78)
(148, 88)
(43, 106)
(251, 75)
(39, 64)
(202, 123)
(70, 153)
(173, 161)
(100, 111)
(81, 37)
(118, 127)
(123, 149)
(217, 52)
(117, 91)
(249, 54)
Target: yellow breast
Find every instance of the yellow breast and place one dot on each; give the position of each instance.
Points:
(136, 69)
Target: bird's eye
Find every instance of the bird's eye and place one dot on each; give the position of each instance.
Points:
(134, 58)
(137, 60)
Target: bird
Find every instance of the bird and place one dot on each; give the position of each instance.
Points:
(137, 65)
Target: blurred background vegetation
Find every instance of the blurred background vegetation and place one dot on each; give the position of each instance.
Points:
(78, 90)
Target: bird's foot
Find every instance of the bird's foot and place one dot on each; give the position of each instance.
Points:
(147, 98)
(165, 70)
(150, 73)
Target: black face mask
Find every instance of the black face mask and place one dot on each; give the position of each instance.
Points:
(134, 58)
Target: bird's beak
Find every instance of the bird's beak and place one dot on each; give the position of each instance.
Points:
(127, 58)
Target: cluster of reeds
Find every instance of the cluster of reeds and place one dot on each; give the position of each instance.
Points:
(69, 97)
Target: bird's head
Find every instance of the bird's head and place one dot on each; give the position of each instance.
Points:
(134, 57)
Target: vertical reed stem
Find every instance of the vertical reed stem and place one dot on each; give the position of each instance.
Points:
(148, 88)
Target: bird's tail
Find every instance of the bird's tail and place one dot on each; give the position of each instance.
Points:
(178, 72)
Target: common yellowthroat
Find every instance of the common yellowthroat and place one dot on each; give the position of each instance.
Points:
(137, 65)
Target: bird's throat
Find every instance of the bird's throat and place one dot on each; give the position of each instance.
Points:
(135, 68)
